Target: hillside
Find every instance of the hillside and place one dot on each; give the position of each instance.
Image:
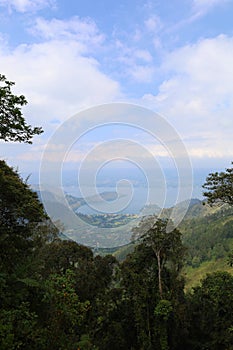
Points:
(208, 235)
(207, 232)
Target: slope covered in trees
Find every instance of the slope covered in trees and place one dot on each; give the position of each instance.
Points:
(58, 295)
(55, 294)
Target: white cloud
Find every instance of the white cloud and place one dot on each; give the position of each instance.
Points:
(206, 4)
(55, 76)
(201, 7)
(59, 77)
(153, 24)
(84, 31)
(137, 63)
(26, 5)
(197, 96)
(57, 80)
(143, 74)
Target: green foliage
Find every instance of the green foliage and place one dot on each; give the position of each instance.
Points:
(163, 310)
(122, 252)
(166, 243)
(61, 255)
(85, 343)
(12, 123)
(19, 329)
(65, 312)
(219, 187)
(211, 310)
(230, 259)
(140, 281)
(56, 295)
(139, 274)
(20, 214)
(209, 237)
(163, 238)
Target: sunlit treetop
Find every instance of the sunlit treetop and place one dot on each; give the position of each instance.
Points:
(13, 126)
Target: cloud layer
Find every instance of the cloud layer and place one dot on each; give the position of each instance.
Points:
(26, 5)
(197, 95)
(70, 64)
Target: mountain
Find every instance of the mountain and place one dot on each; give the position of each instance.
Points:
(207, 231)
(208, 235)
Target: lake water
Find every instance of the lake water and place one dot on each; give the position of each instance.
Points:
(139, 199)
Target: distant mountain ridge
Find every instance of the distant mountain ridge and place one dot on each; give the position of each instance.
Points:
(204, 228)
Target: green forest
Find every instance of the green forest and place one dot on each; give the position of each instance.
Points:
(160, 292)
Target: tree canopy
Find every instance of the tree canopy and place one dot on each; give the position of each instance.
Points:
(20, 214)
(211, 310)
(166, 244)
(219, 187)
(57, 294)
(13, 126)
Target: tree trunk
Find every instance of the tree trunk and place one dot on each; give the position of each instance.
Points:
(159, 274)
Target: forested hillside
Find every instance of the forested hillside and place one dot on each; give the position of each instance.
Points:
(207, 233)
(58, 295)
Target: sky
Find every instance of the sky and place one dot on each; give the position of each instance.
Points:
(172, 57)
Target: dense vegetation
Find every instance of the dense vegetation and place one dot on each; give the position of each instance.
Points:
(56, 295)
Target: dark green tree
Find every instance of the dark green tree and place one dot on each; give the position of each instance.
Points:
(150, 322)
(219, 187)
(13, 126)
(210, 311)
(65, 312)
(165, 241)
(60, 255)
(139, 280)
(19, 329)
(21, 215)
(153, 287)
(163, 312)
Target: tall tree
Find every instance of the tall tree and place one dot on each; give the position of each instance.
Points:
(165, 243)
(139, 280)
(13, 126)
(156, 303)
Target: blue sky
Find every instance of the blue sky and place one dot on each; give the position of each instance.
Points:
(174, 57)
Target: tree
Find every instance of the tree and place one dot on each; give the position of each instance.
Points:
(163, 241)
(19, 329)
(163, 312)
(155, 310)
(166, 244)
(20, 215)
(210, 312)
(219, 187)
(139, 280)
(12, 123)
(60, 255)
(65, 312)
